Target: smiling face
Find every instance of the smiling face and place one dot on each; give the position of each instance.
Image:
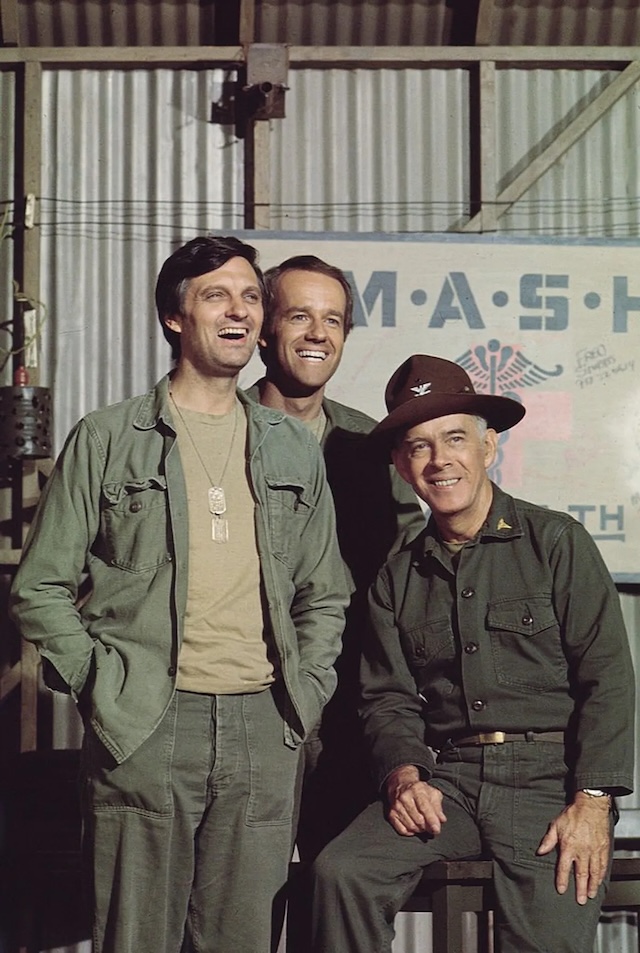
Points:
(220, 320)
(446, 461)
(304, 349)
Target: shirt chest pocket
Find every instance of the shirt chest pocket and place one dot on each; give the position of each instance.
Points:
(431, 655)
(135, 520)
(289, 508)
(526, 645)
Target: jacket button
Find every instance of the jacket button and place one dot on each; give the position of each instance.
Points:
(467, 593)
(527, 620)
(420, 650)
(171, 671)
(478, 705)
(471, 647)
(135, 507)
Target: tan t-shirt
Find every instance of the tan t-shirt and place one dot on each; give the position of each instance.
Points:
(223, 648)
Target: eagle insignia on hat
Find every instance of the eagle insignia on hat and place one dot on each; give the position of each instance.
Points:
(421, 389)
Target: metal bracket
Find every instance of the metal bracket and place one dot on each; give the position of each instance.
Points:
(267, 76)
(259, 90)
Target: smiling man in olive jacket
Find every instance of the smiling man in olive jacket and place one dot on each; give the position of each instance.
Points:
(498, 693)
(308, 317)
(204, 653)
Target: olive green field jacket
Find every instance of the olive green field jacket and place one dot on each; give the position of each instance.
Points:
(115, 510)
(525, 633)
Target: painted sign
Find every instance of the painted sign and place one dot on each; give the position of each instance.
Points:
(552, 324)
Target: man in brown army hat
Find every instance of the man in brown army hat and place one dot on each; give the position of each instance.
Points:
(498, 693)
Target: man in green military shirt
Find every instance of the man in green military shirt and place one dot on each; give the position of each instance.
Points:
(308, 317)
(498, 692)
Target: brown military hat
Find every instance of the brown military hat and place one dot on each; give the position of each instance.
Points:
(426, 387)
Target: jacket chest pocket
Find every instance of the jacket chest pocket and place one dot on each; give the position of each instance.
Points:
(135, 520)
(431, 655)
(288, 509)
(526, 645)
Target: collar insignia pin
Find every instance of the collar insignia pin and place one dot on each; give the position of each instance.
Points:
(502, 524)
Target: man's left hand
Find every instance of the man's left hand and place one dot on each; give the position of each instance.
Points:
(582, 835)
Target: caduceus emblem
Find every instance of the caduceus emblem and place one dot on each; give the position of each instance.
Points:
(504, 371)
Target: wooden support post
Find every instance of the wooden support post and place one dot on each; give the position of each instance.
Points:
(30, 667)
(488, 171)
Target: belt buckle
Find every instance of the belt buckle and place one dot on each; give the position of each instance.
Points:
(491, 738)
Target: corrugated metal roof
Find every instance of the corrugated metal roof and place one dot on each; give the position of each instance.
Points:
(117, 22)
(566, 22)
(345, 23)
(327, 22)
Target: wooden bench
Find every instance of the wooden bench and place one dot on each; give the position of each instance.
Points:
(450, 888)
(447, 889)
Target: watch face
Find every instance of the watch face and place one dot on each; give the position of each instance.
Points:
(594, 792)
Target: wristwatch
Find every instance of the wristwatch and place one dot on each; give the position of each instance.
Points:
(595, 792)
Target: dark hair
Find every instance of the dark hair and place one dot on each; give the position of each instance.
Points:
(304, 263)
(199, 256)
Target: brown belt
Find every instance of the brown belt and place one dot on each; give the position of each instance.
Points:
(499, 737)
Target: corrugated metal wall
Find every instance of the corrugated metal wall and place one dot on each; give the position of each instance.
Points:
(595, 188)
(388, 151)
(132, 167)
(372, 151)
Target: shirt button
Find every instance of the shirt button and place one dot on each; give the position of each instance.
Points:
(471, 647)
(527, 620)
(478, 705)
(420, 650)
(171, 671)
(135, 507)
(467, 593)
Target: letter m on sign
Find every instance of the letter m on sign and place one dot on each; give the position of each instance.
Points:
(381, 286)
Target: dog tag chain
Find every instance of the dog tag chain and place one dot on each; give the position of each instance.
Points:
(216, 495)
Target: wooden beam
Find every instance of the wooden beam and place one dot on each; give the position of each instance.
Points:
(305, 57)
(9, 23)
(109, 57)
(428, 56)
(562, 143)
